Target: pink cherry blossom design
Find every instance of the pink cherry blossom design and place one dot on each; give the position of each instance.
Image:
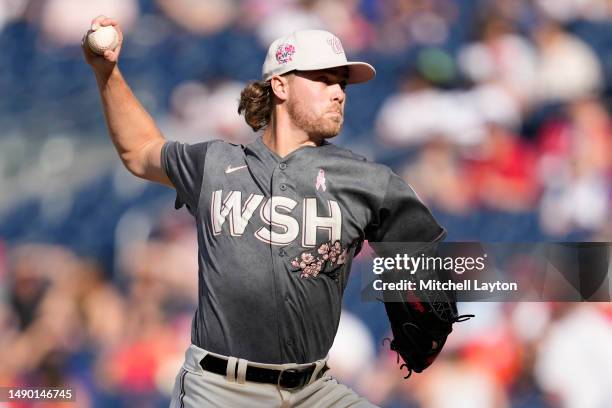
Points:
(311, 270)
(312, 265)
(308, 257)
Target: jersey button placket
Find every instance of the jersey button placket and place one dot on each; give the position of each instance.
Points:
(281, 178)
(280, 187)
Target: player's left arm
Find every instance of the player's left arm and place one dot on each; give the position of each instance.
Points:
(420, 320)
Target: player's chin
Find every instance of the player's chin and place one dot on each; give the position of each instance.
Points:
(332, 127)
(330, 131)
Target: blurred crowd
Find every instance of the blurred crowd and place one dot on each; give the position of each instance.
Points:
(498, 113)
(117, 342)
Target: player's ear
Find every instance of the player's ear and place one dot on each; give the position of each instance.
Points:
(280, 87)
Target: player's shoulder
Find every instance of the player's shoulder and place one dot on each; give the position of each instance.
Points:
(334, 151)
(348, 157)
(201, 146)
(220, 146)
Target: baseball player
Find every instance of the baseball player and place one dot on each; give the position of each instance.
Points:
(278, 220)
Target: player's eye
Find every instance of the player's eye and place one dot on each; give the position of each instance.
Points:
(330, 81)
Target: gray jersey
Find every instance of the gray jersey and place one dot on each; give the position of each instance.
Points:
(276, 238)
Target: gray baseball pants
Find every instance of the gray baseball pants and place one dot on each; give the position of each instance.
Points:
(195, 387)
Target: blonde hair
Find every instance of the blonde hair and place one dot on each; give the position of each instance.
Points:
(256, 102)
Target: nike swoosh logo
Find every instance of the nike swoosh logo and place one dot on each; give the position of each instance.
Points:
(233, 169)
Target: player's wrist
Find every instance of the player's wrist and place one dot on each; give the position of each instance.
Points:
(103, 76)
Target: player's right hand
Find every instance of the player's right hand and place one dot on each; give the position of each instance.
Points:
(102, 64)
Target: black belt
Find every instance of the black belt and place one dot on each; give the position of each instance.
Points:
(289, 379)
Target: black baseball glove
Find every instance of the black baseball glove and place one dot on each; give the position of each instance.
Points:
(421, 320)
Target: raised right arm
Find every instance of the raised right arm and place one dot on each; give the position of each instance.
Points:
(132, 130)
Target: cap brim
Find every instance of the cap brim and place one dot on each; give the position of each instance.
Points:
(358, 71)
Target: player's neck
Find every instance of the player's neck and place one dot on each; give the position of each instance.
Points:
(282, 137)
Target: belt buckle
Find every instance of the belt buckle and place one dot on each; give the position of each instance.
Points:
(299, 381)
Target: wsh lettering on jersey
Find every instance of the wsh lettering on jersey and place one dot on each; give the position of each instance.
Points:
(282, 226)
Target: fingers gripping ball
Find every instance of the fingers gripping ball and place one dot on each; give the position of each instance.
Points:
(102, 39)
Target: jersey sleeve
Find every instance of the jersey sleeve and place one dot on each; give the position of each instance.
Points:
(184, 166)
(402, 217)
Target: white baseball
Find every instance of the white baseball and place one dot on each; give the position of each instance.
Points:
(102, 39)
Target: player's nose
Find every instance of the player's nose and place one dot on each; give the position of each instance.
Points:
(338, 93)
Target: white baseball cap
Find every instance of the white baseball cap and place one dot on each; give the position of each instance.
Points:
(308, 50)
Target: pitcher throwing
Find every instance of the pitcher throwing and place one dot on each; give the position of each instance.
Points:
(278, 220)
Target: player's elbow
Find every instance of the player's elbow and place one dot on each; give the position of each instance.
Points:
(145, 162)
(134, 163)
(135, 168)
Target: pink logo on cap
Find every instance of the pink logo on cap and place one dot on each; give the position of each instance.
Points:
(335, 44)
(284, 53)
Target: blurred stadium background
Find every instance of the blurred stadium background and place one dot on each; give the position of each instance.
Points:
(498, 113)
